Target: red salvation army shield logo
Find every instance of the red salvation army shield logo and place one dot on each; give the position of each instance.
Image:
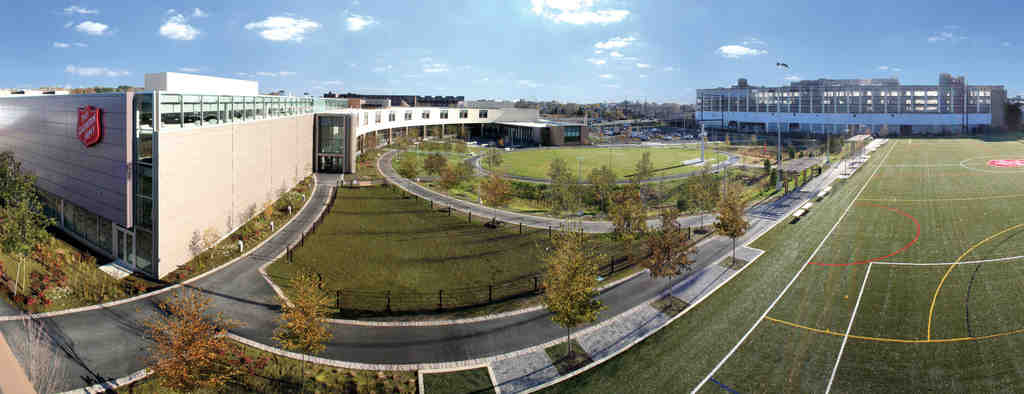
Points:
(89, 128)
(1006, 163)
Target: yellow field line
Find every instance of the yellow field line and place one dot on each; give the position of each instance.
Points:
(893, 340)
(944, 199)
(931, 310)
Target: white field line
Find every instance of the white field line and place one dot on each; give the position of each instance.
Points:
(791, 281)
(953, 262)
(848, 328)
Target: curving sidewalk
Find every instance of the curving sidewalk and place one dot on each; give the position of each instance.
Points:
(386, 169)
(106, 343)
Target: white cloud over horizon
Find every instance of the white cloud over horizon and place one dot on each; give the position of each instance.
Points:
(355, 22)
(80, 10)
(577, 12)
(615, 54)
(198, 13)
(177, 28)
(57, 44)
(615, 43)
(736, 51)
(94, 71)
(283, 28)
(92, 28)
(597, 62)
(607, 76)
(188, 69)
(643, 65)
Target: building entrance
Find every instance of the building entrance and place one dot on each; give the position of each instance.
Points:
(330, 164)
(124, 247)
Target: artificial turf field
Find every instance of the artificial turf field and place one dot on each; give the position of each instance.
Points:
(535, 163)
(922, 323)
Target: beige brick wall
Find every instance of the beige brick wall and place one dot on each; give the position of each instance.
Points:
(212, 177)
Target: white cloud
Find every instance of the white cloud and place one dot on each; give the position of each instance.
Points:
(598, 51)
(753, 41)
(576, 12)
(643, 75)
(896, 69)
(792, 78)
(615, 54)
(947, 35)
(426, 59)
(380, 69)
(69, 24)
(198, 13)
(94, 71)
(355, 22)
(435, 67)
(61, 45)
(643, 65)
(735, 51)
(332, 82)
(597, 61)
(79, 10)
(286, 73)
(528, 83)
(92, 28)
(80, 45)
(883, 68)
(283, 28)
(889, 68)
(266, 74)
(177, 28)
(188, 69)
(669, 68)
(629, 59)
(243, 74)
(615, 43)
(607, 76)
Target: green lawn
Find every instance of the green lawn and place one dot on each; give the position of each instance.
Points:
(535, 162)
(961, 212)
(476, 381)
(375, 241)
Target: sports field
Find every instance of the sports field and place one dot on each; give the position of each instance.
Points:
(906, 279)
(534, 163)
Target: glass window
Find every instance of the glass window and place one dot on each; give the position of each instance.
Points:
(408, 115)
(483, 114)
(377, 117)
(425, 114)
(170, 110)
(144, 180)
(144, 251)
(103, 239)
(391, 116)
(444, 114)
(463, 114)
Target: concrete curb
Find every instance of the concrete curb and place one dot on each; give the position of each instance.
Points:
(112, 384)
(112, 304)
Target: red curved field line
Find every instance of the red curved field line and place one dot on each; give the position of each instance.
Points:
(898, 251)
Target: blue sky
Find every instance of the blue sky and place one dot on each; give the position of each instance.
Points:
(567, 50)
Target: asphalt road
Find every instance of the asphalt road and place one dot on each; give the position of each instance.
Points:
(109, 343)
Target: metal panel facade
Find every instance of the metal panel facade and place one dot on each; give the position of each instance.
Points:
(41, 131)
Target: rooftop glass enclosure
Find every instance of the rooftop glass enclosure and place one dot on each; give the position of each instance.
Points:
(196, 110)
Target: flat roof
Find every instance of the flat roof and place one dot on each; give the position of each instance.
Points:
(525, 124)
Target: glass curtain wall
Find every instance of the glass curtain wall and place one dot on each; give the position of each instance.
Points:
(144, 217)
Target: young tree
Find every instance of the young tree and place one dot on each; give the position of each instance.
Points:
(704, 190)
(190, 352)
(767, 166)
(408, 167)
(602, 180)
(494, 190)
(24, 224)
(434, 163)
(464, 171)
(669, 247)
(493, 160)
(644, 168)
(303, 321)
(570, 282)
(731, 222)
(449, 178)
(563, 195)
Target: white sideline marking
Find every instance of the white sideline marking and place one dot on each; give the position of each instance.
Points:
(848, 328)
(953, 262)
(791, 281)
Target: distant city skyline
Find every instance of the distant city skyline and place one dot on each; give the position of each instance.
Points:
(567, 50)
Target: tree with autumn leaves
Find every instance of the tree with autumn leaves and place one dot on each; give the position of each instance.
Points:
(303, 317)
(190, 351)
(570, 282)
(731, 222)
(670, 247)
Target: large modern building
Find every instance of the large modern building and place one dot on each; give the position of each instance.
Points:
(168, 163)
(406, 100)
(881, 106)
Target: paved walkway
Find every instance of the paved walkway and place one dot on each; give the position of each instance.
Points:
(384, 163)
(12, 375)
(106, 343)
